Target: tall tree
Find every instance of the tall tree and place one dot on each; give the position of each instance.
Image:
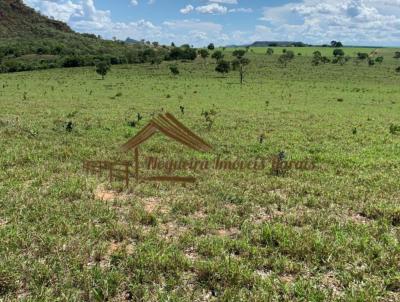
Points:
(240, 63)
(204, 54)
(217, 55)
(102, 68)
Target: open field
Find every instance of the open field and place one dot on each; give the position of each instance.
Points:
(326, 51)
(331, 234)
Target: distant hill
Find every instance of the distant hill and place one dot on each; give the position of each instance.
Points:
(29, 41)
(131, 41)
(271, 44)
(19, 20)
(277, 43)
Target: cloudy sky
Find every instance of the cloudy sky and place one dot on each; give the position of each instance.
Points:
(198, 22)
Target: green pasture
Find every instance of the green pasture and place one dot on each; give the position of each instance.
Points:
(330, 234)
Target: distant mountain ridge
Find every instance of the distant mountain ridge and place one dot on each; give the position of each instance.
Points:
(277, 43)
(131, 41)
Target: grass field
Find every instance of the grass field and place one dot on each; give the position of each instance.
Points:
(330, 234)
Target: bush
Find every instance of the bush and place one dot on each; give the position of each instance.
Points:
(223, 67)
(72, 61)
(174, 70)
(338, 53)
(362, 55)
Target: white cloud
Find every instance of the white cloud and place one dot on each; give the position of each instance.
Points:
(225, 1)
(134, 2)
(187, 9)
(241, 10)
(312, 21)
(352, 21)
(212, 8)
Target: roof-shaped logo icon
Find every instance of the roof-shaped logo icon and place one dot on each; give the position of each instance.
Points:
(168, 125)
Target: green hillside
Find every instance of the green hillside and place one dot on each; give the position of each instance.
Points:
(18, 20)
(30, 41)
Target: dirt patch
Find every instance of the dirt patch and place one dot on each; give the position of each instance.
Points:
(105, 195)
(171, 230)
(287, 278)
(330, 281)
(154, 204)
(358, 218)
(3, 222)
(199, 215)
(232, 232)
(114, 247)
(262, 274)
(191, 254)
(262, 215)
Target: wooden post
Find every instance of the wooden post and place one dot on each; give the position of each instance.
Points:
(127, 174)
(100, 167)
(137, 163)
(111, 171)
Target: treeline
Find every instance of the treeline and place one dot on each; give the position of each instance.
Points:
(35, 55)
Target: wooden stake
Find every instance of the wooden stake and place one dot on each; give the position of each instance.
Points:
(137, 163)
(127, 174)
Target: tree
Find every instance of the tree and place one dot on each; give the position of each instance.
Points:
(157, 59)
(240, 63)
(204, 53)
(286, 57)
(217, 55)
(337, 44)
(398, 69)
(397, 55)
(239, 53)
(317, 58)
(211, 46)
(338, 53)
(174, 70)
(379, 60)
(102, 68)
(223, 66)
(270, 51)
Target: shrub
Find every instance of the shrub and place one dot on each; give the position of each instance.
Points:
(174, 70)
(73, 61)
(223, 67)
(102, 68)
(338, 53)
(362, 55)
(217, 55)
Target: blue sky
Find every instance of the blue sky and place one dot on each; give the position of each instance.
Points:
(223, 22)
